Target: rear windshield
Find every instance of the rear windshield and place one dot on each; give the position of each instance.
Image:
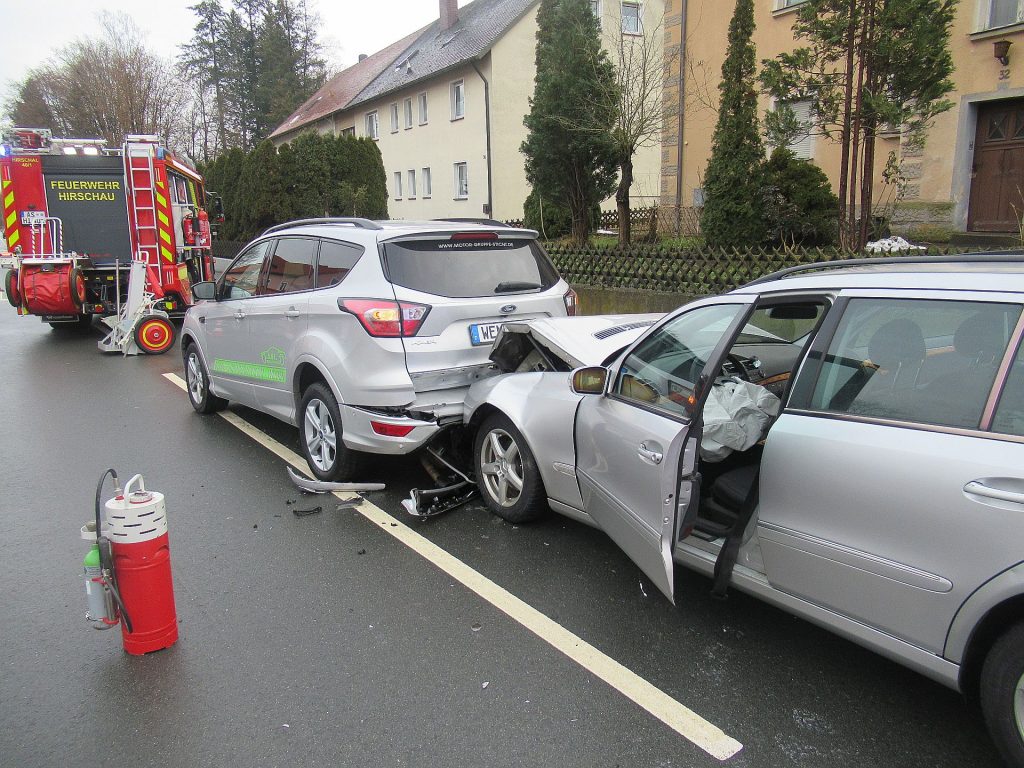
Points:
(464, 269)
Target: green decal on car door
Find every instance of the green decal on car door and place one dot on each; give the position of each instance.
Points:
(250, 370)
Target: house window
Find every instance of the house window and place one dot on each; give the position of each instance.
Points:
(394, 118)
(461, 181)
(458, 100)
(412, 183)
(803, 143)
(1003, 13)
(398, 185)
(595, 8)
(783, 4)
(372, 125)
(350, 131)
(408, 114)
(425, 175)
(423, 108)
(631, 19)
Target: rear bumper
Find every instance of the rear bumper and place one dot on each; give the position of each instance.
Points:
(358, 433)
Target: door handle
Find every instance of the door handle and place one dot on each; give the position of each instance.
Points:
(239, 315)
(980, 489)
(645, 453)
(292, 312)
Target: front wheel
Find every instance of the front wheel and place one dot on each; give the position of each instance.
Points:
(506, 471)
(1002, 694)
(320, 437)
(198, 382)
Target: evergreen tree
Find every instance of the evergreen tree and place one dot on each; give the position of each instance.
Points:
(733, 214)
(570, 151)
(867, 65)
(202, 60)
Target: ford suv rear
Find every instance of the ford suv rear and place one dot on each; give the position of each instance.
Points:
(366, 335)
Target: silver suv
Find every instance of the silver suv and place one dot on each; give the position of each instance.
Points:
(364, 334)
(844, 441)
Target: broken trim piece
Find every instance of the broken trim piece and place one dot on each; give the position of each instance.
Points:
(318, 486)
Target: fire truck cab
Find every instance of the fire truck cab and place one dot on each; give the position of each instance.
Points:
(76, 213)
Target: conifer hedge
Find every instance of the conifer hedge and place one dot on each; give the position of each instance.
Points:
(312, 176)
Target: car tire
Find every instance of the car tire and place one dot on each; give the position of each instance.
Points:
(320, 437)
(1002, 694)
(11, 288)
(197, 383)
(502, 460)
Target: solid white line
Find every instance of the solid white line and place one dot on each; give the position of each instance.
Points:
(679, 718)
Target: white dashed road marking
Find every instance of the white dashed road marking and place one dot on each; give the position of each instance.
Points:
(679, 718)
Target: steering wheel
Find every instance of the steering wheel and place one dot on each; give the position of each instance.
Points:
(737, 362)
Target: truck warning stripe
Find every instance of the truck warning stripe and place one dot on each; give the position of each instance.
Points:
(163, 222)
(10, 214)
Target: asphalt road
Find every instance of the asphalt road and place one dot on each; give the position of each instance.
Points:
(323, 641)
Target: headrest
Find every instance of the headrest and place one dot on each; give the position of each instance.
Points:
(897, 342)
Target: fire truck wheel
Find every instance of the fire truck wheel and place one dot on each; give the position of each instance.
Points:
(154, 335)
(76, 286)
(198, 381)
(11, 287)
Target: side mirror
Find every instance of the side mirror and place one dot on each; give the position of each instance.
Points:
(590, 381)
(204, 291)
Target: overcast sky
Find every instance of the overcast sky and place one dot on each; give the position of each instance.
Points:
(34, 31)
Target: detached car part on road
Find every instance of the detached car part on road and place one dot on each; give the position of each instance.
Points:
(366, 335)
(868, 474)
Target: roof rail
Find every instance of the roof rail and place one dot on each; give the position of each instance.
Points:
(350, 220)
(485, 222)
(1012, 257)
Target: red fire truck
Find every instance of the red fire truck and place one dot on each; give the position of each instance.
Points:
(76, 213)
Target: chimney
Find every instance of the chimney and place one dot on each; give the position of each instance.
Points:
(362, 57)
(449, 13)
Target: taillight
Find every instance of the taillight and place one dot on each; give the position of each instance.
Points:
(572, 303)
(391, 430)
(386, 319)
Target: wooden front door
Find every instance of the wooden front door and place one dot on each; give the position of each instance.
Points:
(997, 180)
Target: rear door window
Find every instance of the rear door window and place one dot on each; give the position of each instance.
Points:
(918, 360)
(463, 268)
(336, 260)
(291, 267)
(1009, 416)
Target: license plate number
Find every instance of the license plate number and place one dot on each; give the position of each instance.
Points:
(483, 333)
(27, 217)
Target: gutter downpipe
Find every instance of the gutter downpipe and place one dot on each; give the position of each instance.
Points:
(487, 129)
(681, 116)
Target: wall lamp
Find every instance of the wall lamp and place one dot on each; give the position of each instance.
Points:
(1001, 50)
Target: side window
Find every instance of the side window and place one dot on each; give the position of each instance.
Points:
(242, 277)
(336, 259)
(1009, 417)
(926, 361)
(291, 266)
(663, 369)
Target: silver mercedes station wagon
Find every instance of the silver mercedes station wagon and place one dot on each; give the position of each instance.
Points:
(844, 441)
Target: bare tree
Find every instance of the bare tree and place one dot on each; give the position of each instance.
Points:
(106, 87)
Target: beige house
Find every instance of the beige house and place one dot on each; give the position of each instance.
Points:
(446, 106)
(968, 177)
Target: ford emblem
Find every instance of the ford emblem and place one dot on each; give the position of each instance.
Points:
(508, 309)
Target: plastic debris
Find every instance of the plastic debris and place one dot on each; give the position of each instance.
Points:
(307, 512)
(485, 684)
(361, 552)
(642, 590)
(317, 486)
(477, 627)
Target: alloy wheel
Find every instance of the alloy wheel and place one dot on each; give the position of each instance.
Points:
(194, 374)
(320, 435)
(501, 467)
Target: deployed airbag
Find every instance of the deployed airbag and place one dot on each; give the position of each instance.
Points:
(736, 416)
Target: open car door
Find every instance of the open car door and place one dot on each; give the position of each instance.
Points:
(636, 445)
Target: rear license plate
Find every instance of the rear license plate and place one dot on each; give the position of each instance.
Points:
(27, 217)
(483, 333)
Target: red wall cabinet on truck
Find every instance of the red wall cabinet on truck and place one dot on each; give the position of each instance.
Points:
(75, 214)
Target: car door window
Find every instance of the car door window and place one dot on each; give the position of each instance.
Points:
(918, 360)
(662, 370)
(336, 260)
(290, 268)
(1009, 416)
(242, 277)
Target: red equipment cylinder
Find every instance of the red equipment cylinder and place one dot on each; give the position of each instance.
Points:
(137, 529)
